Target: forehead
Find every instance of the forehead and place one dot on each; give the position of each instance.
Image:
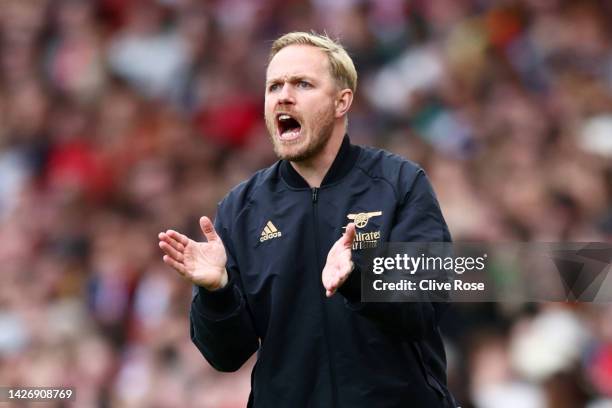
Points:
(298, 60)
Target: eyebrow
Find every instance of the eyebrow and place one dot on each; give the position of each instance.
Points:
(291, 78)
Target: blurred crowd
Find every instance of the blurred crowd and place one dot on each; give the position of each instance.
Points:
(120, 119)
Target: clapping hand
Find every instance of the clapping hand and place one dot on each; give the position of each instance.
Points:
(339, 264)
(201, 263)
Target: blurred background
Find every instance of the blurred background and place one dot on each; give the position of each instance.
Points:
(120, 119)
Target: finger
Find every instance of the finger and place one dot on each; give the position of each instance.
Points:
(325, 278)
(328, 280)
(170, 251)
(173, 242)
(208, 229)
(333, 277)
(349, 235)
(331, 292)
(333, 283)
(178, 237)
(179, 267)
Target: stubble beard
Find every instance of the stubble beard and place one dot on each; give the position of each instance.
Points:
(321, 134)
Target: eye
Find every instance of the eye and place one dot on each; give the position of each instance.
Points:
(304, 84)
(274, 87)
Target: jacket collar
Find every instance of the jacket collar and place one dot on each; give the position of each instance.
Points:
(343, 163)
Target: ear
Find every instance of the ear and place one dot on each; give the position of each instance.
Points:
(343, 102)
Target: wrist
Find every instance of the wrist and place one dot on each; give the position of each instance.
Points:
(219, 303)
(220, 284)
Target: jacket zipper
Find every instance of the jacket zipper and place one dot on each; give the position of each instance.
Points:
(326, 328)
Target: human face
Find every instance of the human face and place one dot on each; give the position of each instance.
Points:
(299, 102)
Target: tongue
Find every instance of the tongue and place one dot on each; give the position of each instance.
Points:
(290, 134)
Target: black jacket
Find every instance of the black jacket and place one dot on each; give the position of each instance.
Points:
(314, 351)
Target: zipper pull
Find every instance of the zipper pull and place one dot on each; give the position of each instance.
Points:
(315, 194)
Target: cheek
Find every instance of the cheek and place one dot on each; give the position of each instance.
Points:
(269, 116)
(268, 104)
(323, 114)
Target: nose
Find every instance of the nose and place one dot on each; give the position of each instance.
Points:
(285, 95)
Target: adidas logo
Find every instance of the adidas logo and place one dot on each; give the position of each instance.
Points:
(269, 232)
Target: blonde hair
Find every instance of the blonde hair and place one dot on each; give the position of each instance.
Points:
(341, 65)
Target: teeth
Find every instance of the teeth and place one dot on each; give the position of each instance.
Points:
(284, 117)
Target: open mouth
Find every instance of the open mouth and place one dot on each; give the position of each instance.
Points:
(288, 127)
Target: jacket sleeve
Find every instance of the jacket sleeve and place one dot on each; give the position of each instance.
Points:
(418, 219)
(221, 325)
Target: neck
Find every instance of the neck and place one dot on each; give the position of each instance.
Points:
(314, 169)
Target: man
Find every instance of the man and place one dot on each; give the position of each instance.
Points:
(283, 245)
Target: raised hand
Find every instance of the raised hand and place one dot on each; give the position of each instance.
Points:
(339, 264)
(201, 263)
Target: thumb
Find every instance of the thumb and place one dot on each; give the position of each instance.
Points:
(208, 229)
(349, 235)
